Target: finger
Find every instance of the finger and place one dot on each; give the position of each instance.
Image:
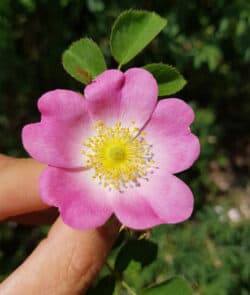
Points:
(19, 186)
(43, 217)
(64, 263)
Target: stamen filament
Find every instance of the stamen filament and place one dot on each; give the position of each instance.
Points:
(118, 155)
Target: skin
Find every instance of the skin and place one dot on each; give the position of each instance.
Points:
(67, 260)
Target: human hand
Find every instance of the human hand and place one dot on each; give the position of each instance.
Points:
(67, 260)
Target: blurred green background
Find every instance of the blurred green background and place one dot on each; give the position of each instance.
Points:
(209, 42)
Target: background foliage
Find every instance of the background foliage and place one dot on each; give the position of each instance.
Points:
(208, 41)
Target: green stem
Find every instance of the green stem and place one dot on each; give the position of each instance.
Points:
(123, 283)
(128, 288)
(110, 268)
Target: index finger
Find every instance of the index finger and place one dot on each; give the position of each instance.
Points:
(19, 186)
(65, 262)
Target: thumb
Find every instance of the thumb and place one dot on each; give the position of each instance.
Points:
(64, 263)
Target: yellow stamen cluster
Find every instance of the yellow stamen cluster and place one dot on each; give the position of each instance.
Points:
(120, 156)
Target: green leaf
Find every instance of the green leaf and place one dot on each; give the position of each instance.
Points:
(173, 286)
(168, 78)
(105, 286)
(142, 251)
(84, 60)
(132, 31)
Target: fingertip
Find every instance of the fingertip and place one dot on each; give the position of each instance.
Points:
(19, 192)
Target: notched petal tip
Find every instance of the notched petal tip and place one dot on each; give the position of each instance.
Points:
(62, 104)
(57, 139)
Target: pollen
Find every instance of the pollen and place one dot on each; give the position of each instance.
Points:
(119, 156)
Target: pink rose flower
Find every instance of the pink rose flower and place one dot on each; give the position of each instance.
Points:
(114, 150)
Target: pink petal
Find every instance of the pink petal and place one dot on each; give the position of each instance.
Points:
(103, 96)
(139, 96)
(171, 117)
(115, 96)
(176, 154)
(82, 203)
(175, 148)
(134, 211)
(169, 197)
(57, 139)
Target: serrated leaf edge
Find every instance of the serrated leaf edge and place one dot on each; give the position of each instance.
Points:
(175, 70)
(136, 11)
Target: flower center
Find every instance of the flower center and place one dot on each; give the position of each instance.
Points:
(119, 156)
(116, 153)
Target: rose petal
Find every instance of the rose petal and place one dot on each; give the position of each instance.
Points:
(171, 117)
(169, 197)
(175, 148)
(134, 211)
(114, 96)
(176, 154)
(57, 139)
(82, 203)
(139, 97)
(103, 96)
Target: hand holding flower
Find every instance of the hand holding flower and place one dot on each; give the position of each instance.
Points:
(67, 260)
